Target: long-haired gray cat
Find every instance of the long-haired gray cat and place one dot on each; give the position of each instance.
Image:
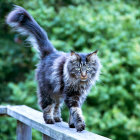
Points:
(61, 76)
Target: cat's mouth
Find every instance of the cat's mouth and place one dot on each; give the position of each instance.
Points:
(83, 78)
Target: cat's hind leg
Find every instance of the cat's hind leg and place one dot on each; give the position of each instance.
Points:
(57, 112)
(47, 104)
(48, 114)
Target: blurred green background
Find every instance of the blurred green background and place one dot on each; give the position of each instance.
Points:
(112, 108)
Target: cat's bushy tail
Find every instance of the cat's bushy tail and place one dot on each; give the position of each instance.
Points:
(24, 23)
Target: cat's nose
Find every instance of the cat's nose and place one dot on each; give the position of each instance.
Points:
(83, 75)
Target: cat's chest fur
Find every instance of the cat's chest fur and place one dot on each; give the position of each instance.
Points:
(82, 87)
(77, 91)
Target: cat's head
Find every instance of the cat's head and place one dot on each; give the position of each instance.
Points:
(83, 66)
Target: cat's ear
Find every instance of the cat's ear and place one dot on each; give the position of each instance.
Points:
(92, 56)
(74, 55)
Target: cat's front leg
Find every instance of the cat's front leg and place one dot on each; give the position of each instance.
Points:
(71, 121)
(76, 116)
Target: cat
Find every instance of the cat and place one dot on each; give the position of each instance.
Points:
(61, 77)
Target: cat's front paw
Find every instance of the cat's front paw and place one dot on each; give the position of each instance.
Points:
(58, 119)
(80, 126)
(49, 121)
(71, 125)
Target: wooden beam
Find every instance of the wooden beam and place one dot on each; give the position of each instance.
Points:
(58, 131)
(24, 132)
(45, 137)
(3, 110)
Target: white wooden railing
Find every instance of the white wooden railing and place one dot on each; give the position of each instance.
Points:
(28, 118)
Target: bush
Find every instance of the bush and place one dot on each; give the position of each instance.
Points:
(112, 108)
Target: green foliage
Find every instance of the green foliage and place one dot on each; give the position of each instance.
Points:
(112, 108)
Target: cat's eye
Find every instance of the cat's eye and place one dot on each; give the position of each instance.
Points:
(88, 68)
(73, 62)
(78, 69)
